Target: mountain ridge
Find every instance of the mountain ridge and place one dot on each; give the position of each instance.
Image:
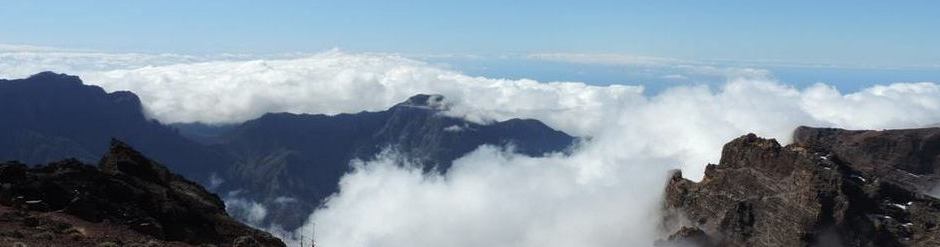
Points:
(56, 116)
(277, 155)
(415, 128)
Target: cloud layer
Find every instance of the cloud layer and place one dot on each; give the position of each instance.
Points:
(607, 192)
(336, 82)
(20, 61)
(604, 194)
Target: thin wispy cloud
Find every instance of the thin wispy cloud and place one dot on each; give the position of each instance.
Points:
(28, 48)
(609, 59)
(622, 59)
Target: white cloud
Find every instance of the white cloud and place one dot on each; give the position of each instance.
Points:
(335, 82)
(882, 106)
(607, 192)
(19, 61)
(674, 66)
(27, 48)
(248, 210)
(603, 194)
(631, 60)
(19, 64)
(284, 200)
(608, 59)
(494, 198)
(214, 181)
(675, 77)
(454, 128)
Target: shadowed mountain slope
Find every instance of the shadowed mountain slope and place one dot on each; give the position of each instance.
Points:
(50, 117)
(286, 162)
(303, 156)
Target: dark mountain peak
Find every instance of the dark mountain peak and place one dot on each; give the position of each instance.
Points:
(58, 117)
(524, 123)
(126, 98)
(303, 156)
(744, 150)
(52, 77)
(425, 101)
(122, 159)
(278, 154)
(854, 188)
(279, 116)
(118, 145)
(128, 197)
(67, 94)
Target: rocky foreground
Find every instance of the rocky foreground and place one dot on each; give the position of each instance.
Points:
(127, 200)
(831, 187)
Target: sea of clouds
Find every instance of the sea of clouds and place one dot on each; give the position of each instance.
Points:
(605, 193)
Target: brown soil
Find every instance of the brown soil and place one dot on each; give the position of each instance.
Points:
(30, 228)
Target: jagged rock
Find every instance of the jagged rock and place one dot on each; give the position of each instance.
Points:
(128, 190)
(246, 241)
(687, 236)
(830, 188)
(426, 101)
(908, 158)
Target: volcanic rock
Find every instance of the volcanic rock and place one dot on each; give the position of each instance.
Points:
(830, 188)
(126, 191)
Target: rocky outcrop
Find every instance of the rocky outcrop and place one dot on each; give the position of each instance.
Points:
(687, 237)
(126, 191)
(829, 188)
(909, 158)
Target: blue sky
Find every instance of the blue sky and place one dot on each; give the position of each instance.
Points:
(851, 44)
(869, 32)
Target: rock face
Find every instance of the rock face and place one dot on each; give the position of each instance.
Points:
(830, 187)
(909, 158)
(125, 191)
